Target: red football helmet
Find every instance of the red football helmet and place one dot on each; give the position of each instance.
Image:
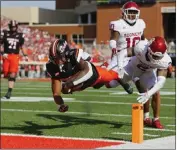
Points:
(157, 47)
(131, 12)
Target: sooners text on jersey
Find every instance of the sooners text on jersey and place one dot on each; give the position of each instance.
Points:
(129, 35)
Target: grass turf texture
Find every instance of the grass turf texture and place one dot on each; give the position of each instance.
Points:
(89, 116)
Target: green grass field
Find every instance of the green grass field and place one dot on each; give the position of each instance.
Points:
(102, 113)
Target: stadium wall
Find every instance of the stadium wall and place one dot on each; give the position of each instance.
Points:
(89, 31)
(39, 15)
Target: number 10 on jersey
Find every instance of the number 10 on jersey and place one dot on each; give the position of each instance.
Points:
(131, 42)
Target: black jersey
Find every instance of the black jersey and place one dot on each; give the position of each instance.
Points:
(69, 68)
(12, 41)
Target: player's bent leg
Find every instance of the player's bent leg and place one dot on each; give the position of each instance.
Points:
(127, 87)
(155, 103)
(141, 89)
(11, 82)
(105, 76)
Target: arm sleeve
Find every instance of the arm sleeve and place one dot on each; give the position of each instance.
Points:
(160, 83)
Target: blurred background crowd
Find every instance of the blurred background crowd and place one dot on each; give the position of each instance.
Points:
(37, 43)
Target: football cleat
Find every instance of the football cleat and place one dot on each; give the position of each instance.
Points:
(148, 122)
(157, 124)
(7, 96)
(63, 108)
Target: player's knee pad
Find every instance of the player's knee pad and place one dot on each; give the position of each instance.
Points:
(112, 84)
(11, 79)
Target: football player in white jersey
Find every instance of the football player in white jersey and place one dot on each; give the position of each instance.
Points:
(149, 70)
(125, 33)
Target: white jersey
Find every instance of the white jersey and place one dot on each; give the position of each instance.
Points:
(140, 66)
(142, 61)
(128, 35)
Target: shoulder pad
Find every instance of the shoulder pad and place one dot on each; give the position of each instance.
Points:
(142, 23)
(140, 47)
(116, 25)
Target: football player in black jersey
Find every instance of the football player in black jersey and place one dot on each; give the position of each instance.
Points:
(67, 66)
(12, 41)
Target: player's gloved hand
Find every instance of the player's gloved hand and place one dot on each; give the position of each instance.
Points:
(68, 85)
(5, 55)
(63, 108)
(143, 98)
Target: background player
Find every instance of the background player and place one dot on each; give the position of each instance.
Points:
(125, 33)
(12, 41)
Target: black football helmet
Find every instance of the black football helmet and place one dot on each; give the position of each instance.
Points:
(59, 51)
(13, 26)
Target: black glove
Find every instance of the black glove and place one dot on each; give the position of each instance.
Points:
(63, 108)
(68, 85)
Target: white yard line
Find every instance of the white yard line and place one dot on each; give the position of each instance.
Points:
(80, 113)
(153, 129)
(171, 125)
(122, 133)
(71, 100)
(85, 95)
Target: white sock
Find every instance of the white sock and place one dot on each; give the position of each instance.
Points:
(146, 115)
(154, 119)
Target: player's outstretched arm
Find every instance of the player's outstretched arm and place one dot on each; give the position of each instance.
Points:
(161, 78)
(56, 90)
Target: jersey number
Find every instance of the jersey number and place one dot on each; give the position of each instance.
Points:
(132, 42)
(12, 44)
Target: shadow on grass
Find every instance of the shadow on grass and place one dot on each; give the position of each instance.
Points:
(72, 120)
(64, 121)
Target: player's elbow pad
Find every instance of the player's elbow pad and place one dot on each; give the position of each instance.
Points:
(112, 44)
(86, 76)
(160, 83)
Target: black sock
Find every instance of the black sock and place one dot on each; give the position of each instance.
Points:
(9, 90)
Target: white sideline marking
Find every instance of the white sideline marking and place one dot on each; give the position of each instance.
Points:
(151, 129)
(88, 95)
(34, 99)
(80, 113)
(150, 135)
(158, 143)
(62, 137)
(72, 100)
(171, 125)
(161, 93)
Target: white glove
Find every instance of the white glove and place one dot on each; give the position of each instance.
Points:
(5, 55)
(143, 98)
